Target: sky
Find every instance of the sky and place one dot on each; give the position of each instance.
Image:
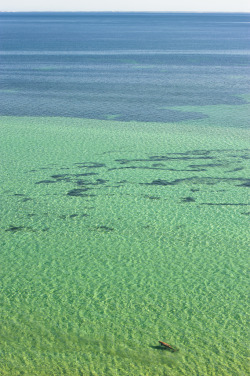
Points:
(126, 5)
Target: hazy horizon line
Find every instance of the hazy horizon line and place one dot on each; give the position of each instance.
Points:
(118, 11)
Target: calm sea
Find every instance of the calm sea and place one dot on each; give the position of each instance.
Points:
(124, 146)
(131, 66)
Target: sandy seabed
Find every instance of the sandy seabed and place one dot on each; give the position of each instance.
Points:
(116, 235)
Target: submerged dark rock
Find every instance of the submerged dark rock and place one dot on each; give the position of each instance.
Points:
(15, 228)
(82, 182)
(77, 192)
(90, 165)
(236, 169)
(161, 182)
(188, 199)
(19, 228)
(86, 174)
(87, 182)
(206, 180)
(101, 181)
(46, 182)
(246, 184)
(59, 176)
(206, 165)
(26, 199)
(104, 228)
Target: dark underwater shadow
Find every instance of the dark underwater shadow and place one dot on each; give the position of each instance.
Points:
(162, 348)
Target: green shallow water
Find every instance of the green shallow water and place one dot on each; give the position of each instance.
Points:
(117, 235)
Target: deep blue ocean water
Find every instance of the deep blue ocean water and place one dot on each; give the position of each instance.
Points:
(136, 66)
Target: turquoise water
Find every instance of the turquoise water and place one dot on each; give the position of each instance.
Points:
(117, 235)
(124, 144)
